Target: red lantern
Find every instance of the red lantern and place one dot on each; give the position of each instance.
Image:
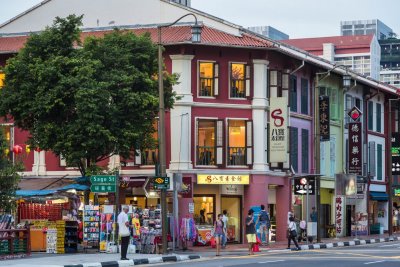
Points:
(17, 149)
(38, 149)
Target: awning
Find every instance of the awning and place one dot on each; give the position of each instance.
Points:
(48, 183)
(34, 193)
(379, 196)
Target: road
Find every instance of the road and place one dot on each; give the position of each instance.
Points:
(381, 254)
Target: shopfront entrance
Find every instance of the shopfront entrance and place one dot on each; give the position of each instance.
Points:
(233, 206)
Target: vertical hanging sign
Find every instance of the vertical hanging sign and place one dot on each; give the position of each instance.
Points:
(339, 212)
(324, 120)
(355, 148)
(278, 129)
(395, 153)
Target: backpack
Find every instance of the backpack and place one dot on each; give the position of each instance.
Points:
(264, 217)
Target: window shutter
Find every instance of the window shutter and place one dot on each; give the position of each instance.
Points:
(322, 156)
(220, 142)
(293, 93)
(379, 170)
(304, 96)
(372, 161)
(138, 157)
(294, 160)
(274, 83)
(63, 162)
(370, 115)
(332, 156)
(247, 78)
(378, 118)
(304, 151)
(216, 79)
(285, 83)
(249, 142)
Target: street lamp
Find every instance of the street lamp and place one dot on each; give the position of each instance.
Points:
(196, 38)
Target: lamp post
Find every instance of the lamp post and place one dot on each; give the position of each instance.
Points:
(196, 38)
(346, 82)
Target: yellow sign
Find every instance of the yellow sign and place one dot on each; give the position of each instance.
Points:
(222, 179)
(2, 78)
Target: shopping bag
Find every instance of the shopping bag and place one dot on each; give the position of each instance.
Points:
(256, 247)
(213, 243)
(258, 241)
(131, 249)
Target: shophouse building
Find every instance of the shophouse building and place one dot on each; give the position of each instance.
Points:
(217, 134)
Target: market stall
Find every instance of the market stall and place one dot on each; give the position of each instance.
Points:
(14, 240)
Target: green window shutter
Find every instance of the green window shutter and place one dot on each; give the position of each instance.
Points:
(294, 135)
(332, 156)
(304, 96)
(370, 115)
(304, 151)
(334, 104)
(293, 93)
(379, 161)
(378, 118)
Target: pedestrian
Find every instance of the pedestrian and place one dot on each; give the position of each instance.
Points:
(225, 221)
(250, 231)
(265, 224)
(123, 226)
(290, 214)
(313, 215)
(395, 219)
(218, 233)
(292, 233)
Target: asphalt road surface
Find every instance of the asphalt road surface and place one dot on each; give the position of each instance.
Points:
(374, 255)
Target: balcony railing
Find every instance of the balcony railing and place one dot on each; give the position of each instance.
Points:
(206, 86)
(237, 156)
(205, 155)
(149, 157)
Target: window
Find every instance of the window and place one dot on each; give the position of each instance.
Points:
(371, 158)
(334, 103)
(332, 157)
(370, 115)
(378, 118)
(2, 78)
(304, 96)
(304, 150)
(240, 80)
(208, 79)
(293, 93)
(237, 143)
(379, 162)
(294, 149)
(206, 143)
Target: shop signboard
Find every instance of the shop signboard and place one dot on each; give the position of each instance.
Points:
(222, 179)
(339, 215)
(232, 189)
(395, 153)
(300, 186)
(278, 130)
(324, 121)
(103, 188)
(160, 183)
(355, 148)
(396, 192)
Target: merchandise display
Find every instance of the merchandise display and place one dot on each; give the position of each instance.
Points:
(60, 237)
(14, 240)
(71, 236)
(91, 226)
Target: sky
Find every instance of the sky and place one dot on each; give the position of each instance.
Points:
(298, 18)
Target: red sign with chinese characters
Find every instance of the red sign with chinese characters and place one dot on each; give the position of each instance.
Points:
(355, 148)
(339, 210)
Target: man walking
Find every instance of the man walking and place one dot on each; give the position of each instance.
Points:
(265, 225)
(123, 226)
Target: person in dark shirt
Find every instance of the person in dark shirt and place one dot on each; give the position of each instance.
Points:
(250, 231)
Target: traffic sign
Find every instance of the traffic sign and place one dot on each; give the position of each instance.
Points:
(103, 179)
(103, 188)
(300, 186)
(161, 183)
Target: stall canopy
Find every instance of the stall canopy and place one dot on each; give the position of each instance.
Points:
(47, 186)
(379, 196)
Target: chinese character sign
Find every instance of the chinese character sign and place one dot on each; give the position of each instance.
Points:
(339, 211)
(278, 129)
(222, 179)
(395, 153)
(355, 148)
(324, 121)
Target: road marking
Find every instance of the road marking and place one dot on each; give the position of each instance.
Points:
(262, 262)
(372, 262)
(392, 245)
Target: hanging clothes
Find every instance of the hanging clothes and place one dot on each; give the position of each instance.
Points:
(188, 231)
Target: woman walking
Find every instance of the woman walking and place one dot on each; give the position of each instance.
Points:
(219, 232)
(250, 231)
(292, 233)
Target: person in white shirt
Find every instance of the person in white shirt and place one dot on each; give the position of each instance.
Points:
(123, 226)
(292, 233)
(225, 220)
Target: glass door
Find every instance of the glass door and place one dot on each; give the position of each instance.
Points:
(233, 206)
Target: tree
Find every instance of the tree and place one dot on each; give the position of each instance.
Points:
(85, 100)
(9, 177)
